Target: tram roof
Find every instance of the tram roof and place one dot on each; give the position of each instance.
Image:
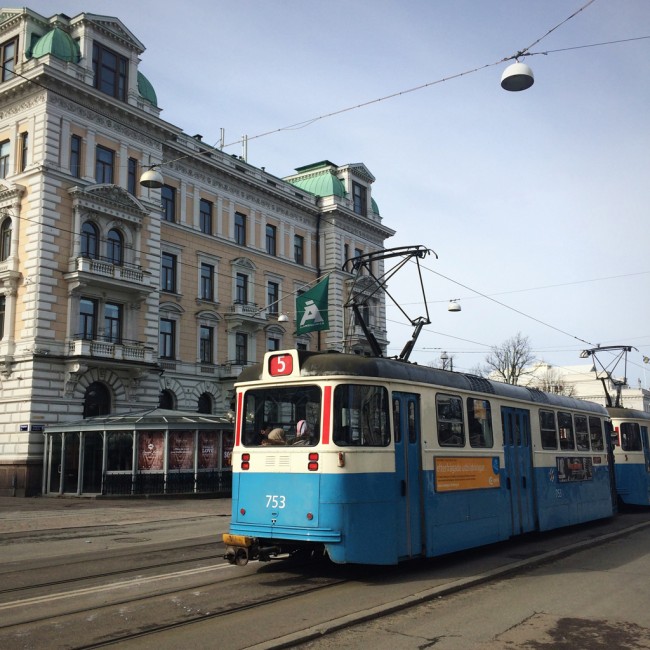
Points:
(335, 364)
(623, 413)
(145, 419)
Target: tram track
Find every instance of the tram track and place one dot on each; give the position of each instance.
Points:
(221, 589)
(83, 563)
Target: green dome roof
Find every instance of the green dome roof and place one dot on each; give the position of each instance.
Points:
(146, 89)
(321, 184)
(59, 44)
(375, 207)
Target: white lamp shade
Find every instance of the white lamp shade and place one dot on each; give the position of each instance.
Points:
(517, 76)
(152, 178)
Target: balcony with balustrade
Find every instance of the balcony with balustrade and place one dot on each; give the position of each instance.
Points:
(101, 348)
(103, 272)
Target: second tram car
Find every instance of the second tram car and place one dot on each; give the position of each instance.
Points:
(631, 455)
(376, 461)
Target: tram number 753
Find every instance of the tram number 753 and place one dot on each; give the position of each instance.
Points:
(275, 501)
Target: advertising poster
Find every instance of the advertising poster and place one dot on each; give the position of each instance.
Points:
(151, 450)
(208, 450)
(466, 473)
(228, 442)
(181, 450)
(574, 468)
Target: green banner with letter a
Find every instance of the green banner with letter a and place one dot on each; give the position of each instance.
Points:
(312, 309)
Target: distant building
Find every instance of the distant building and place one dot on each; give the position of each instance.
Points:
(115, 297)
(582, 382)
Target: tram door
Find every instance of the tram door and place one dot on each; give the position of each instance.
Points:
(646, 449)
(519, 468)
(406, 420)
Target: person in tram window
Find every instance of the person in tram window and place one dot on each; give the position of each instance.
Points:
(264, 432)
(276, 436)
(303, 433)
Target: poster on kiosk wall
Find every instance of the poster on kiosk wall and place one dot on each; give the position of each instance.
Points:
(151, 450)
(181, 450)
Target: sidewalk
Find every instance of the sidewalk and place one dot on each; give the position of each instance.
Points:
(19, 514)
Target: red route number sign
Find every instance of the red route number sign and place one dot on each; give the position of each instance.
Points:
(280, 365)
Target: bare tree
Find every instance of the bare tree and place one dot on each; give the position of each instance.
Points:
(507, 361)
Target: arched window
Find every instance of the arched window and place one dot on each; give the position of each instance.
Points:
(97, 400)
(115, 247)
(205, 404)
(89, 240)
(5, 239)
(166, 400)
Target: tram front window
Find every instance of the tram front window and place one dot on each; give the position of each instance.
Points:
(273, 415)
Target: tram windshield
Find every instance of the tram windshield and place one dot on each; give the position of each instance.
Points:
(287, 415)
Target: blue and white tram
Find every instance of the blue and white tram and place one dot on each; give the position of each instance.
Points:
(404, 461)
(631, 455)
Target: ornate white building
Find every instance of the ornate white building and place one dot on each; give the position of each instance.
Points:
(116, 297)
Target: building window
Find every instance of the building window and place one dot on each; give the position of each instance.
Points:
(115, 247)
(168, 196)
(298, 249)
(75, 156)
(167, 339)
(271, 239)
(5, 239)
(240, 229)
(24, 151)
(112, 323)
(88, 319)
(89, 240)
(8, 58)
(205, 403)
(4, 158)
(273, 343)
(111, 72)
(207, 282)
(205, 217)
(241, 349)
(359, 198)
(206, 344)
(97, 401)
(166, 400)
(241, 288)
(272, 297)
(104, 164)
(132, 176)
(168, 272)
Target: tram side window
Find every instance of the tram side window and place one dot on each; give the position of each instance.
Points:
(630, 436)
(451, 430)
(277, 411)
(565, 426)
(548, 430)
(361, 416)
(479, 423)
(596, 434)
(582, 433)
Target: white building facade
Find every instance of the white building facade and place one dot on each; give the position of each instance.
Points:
(114, 296)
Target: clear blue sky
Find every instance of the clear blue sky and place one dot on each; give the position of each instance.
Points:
(538, 199)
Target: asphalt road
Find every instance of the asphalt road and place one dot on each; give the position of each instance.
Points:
(583, 584)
